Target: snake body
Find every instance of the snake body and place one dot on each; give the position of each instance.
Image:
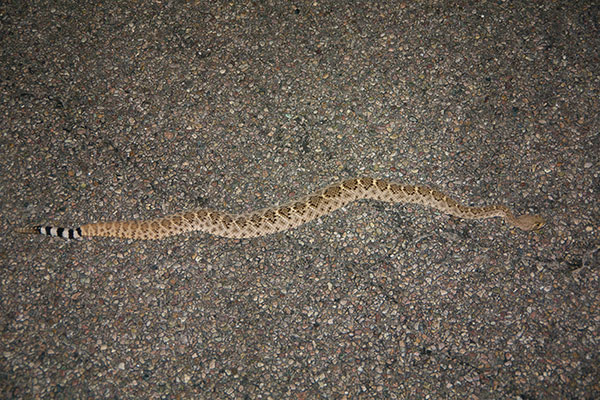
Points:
(295, 213)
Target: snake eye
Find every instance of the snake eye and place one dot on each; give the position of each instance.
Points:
(539, 225)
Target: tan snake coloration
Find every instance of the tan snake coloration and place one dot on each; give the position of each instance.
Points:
(295, 213)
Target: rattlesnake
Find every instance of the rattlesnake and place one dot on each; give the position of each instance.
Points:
(290, 215)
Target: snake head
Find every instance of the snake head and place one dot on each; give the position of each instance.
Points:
(530, 222)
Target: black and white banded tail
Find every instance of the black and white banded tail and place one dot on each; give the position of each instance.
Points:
(53, 231)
